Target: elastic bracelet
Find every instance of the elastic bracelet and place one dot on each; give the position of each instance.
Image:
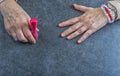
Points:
(114, 9)
(108, 13)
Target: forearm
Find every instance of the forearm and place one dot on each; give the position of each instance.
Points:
(116, 4)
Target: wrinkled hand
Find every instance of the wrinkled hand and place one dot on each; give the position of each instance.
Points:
(92, 20)
(16, 21)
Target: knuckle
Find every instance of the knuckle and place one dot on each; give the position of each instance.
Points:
(28, 36)
(78, 25)
(76, 33)
(73, 27)
(10, 27)
(17, 21)
(22, 39)
(24, 22)
(82, 29)
(79, 31)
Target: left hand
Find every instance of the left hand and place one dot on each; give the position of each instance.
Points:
(92, 20)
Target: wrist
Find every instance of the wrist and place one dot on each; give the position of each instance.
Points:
(104, 16)
(109, 12)
(4, 3)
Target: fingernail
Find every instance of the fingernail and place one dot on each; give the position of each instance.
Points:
(62, 35)
(68, 37)
(79, 41)
(34, 42)
(59, 25)
(74, 4)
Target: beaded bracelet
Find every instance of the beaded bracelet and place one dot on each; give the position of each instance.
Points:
(113, 9)
(109, 12)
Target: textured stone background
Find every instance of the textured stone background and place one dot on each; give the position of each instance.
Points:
(99, 55)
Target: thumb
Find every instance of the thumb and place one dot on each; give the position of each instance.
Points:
(80, 7)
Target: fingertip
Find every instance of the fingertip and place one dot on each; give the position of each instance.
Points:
(33, 42)
(68, 38)
(79, 41)
(62, 35)
(60, 25)
(74, 4)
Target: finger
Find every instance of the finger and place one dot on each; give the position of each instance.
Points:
(78, 32)
(80, 7)
(6, 23)
(69, 22)
(21, 36)
(13, 34)
(29, 35)
(71, 29)
(85, 36)
(27, 31)
(10, 31)
(19, 23)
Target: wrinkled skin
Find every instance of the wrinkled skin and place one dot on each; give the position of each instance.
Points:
(91, 21)
(16, 21)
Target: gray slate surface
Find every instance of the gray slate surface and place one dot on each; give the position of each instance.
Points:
(99, 55)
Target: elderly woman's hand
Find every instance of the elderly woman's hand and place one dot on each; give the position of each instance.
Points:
(92, 20)
(16, 21)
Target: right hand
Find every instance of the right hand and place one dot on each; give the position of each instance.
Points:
(91, 21)
(16, 21)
